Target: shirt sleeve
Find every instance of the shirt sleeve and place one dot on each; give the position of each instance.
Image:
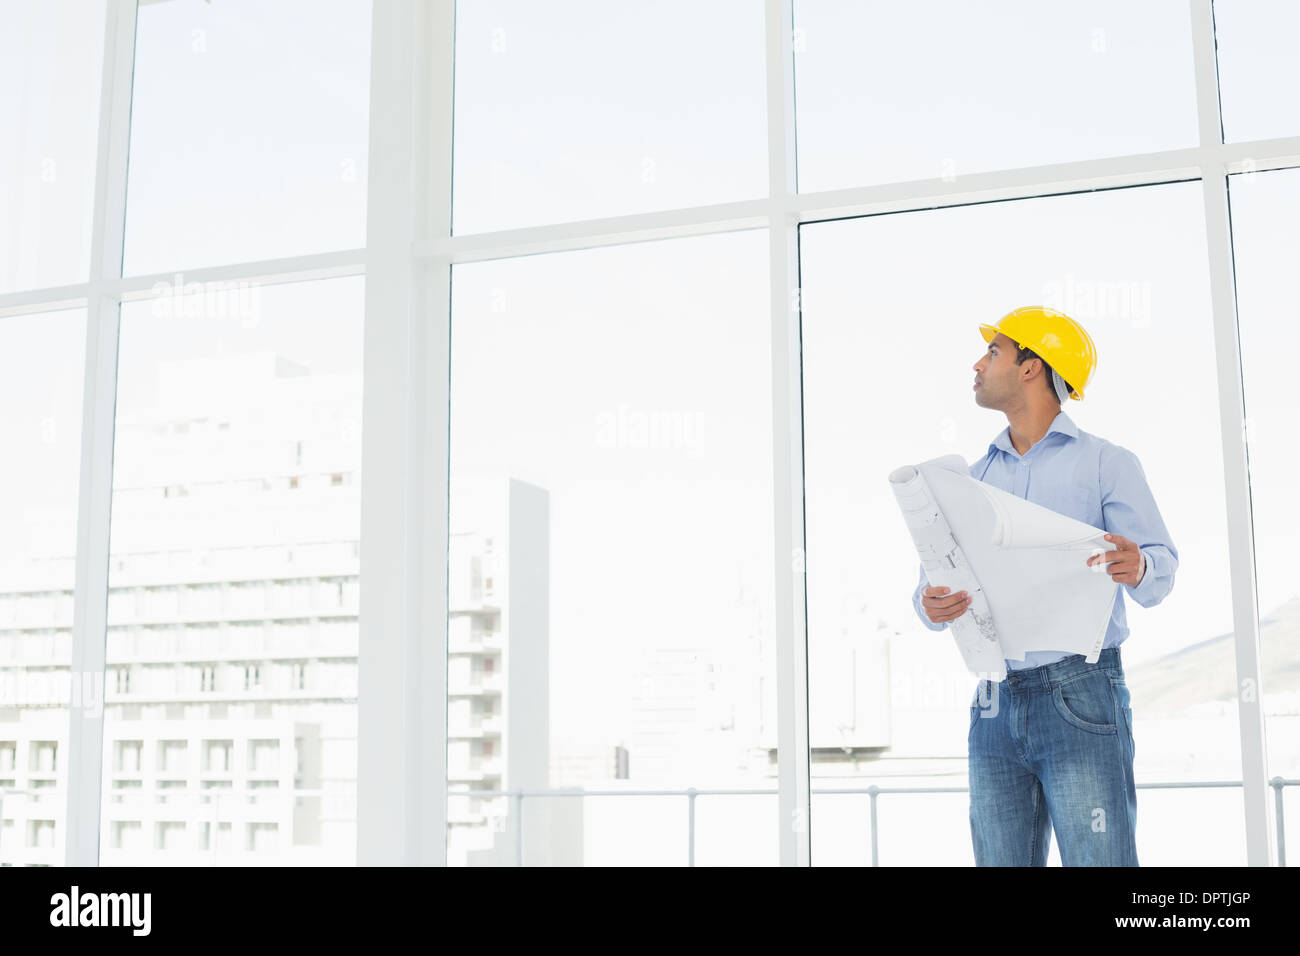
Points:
(1129, 509)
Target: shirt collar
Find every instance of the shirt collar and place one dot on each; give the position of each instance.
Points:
(1063, 423)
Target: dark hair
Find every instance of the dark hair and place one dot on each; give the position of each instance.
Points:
(1024, 355)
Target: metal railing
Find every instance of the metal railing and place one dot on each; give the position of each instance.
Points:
(873, 792)
(1279, 784)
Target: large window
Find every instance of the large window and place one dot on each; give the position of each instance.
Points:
(887, 374)
(248, 132)
(889, 92)
(1255, 41)
(230, 729)
(581, 109)
(40, 390)
(645, 300)
(226, 417)
(1266, 245)
(50, 61)
(610, 581)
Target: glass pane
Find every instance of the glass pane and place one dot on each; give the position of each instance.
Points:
(610, 582)
(1266, 245)
(888, 354)
(901, 91)
(1258, 70)
(230, 718)
(41, 371)
(51, 57)
(581, 109)
(248, 132)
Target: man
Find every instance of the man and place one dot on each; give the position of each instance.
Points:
(1053, 742)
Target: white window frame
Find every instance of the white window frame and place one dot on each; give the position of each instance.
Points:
(408, 257)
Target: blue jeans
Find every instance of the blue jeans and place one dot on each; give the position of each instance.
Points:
(1054, 744)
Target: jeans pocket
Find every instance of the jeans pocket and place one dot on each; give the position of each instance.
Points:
(1119, 688)
(1087, 702)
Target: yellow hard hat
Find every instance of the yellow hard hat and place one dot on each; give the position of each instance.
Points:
(1060, 341)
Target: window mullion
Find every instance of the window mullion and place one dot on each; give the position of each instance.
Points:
(94, 500)
(787, 444)
(1232, 415)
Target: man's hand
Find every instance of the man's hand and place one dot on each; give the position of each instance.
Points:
(1124, 563)
(940, 606)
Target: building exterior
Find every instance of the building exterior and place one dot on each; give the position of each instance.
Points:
(498, 666)
(230, 693)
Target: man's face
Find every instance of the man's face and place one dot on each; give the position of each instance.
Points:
(997, 376)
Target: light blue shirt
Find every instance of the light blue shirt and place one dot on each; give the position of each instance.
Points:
(1088, 478)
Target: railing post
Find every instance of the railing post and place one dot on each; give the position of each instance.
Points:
(519, 827)
(1278, 803)
(690, 802)
(216, 823)
(873, 791)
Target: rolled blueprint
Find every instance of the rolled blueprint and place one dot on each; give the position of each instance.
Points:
(1025, 566)
(946, 566)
